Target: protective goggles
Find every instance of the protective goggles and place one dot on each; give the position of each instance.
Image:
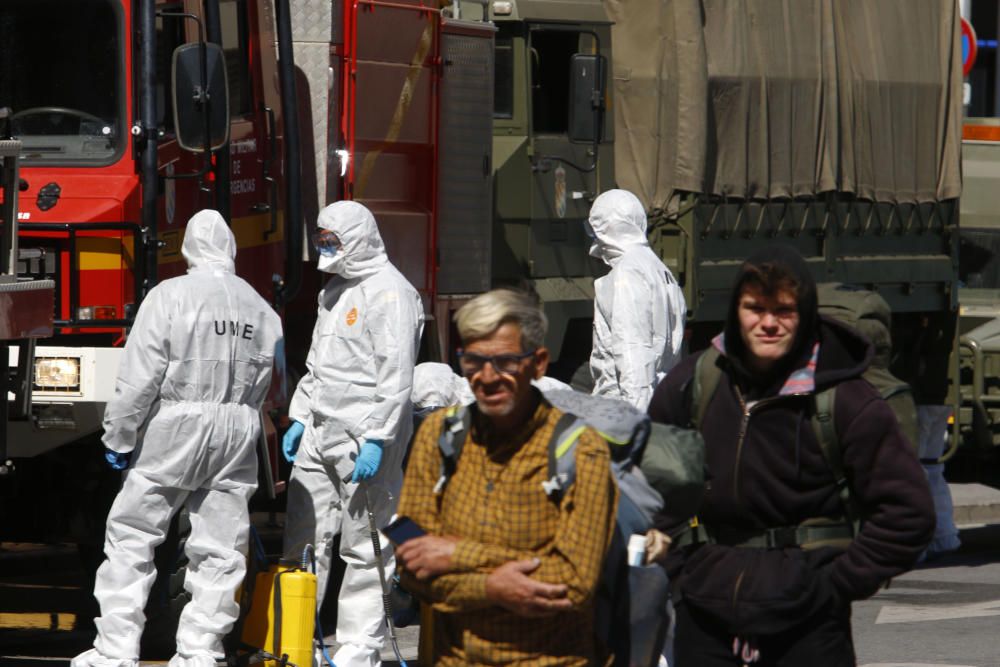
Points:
(326, 242)
(508, 364)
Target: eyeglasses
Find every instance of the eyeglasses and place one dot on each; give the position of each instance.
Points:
(326, 242)
(508, 364)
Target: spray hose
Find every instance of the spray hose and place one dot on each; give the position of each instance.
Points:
(309, 559)
(309, 565)
(386, 595)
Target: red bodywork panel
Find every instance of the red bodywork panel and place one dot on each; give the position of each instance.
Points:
(104, 262)
(390, 74)
(104, 259)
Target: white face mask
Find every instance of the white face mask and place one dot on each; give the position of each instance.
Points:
(330, 263)
(595, 250)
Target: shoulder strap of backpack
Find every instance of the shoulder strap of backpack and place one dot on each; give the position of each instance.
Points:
(825, 431)
(562, 456)
(707, 375)
(456, 423)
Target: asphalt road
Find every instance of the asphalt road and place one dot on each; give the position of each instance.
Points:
(942, 614)
(945, 613)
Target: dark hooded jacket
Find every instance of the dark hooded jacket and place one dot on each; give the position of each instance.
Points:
(778, 477)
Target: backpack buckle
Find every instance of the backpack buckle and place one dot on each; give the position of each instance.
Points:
(554, 485)
(781, 538)
(439, 487)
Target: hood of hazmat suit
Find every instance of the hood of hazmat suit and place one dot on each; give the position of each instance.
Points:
(618, 221)
(209, 243)
(194, 374)
(361, 252)
(437, 385)
(356, 389)
(639, 309)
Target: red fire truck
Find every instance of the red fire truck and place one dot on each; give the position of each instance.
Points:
(134, 114)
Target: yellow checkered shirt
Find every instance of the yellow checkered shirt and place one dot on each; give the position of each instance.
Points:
(496, 504)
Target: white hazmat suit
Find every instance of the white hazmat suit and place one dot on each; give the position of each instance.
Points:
(639, 308)
(356, 390)
(197, 366)
(436, 385)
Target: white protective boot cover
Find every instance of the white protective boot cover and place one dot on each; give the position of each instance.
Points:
(93, 658)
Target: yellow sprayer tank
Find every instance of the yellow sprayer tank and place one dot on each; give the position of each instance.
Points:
(282, 617)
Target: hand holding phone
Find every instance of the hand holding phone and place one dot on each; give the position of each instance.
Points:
(402, 529)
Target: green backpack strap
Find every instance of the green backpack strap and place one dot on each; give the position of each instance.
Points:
(825, 431)
(704, 383)
(707, 375)
(562, 456)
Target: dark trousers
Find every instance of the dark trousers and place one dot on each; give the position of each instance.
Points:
(823, 640)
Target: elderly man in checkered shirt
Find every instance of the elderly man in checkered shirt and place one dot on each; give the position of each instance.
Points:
(510, 574)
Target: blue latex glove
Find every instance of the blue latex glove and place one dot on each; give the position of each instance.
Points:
(117, 460)
(366, 465)
(290, 443)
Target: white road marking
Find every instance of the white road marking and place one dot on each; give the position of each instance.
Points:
(910, 664)
(901, 590)
(918, 613)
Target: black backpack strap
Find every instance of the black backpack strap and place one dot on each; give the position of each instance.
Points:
(276, 611)
(825, 430)
(707, 375)
(562, 456)
(454, 427)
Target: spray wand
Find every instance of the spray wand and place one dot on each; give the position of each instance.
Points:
(386, 597)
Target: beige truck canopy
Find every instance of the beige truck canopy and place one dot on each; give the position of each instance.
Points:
(762, 99)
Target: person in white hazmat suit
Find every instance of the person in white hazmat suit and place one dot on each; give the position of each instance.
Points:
(436, 385)
(639, 308)
(352, 416)
(195, 372)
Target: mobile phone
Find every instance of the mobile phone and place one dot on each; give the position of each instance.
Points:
(402, 529)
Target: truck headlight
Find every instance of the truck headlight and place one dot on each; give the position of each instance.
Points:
(57, 373)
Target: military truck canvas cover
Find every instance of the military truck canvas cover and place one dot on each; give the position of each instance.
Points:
(769, 99)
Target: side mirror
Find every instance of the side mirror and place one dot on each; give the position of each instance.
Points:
(586, 98)
(201, 103)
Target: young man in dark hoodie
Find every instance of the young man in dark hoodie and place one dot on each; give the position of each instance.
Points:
(753, 587)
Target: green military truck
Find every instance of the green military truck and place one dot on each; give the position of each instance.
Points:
(835, 127)
(977, 385)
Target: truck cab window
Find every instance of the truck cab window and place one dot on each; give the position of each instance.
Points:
(503, 82)
(61, 74)
(169, 35)
(235, 44)
(549, 59)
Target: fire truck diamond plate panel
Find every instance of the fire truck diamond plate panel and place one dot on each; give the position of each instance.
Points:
(311, 20)
(465, 199)
(314, 61)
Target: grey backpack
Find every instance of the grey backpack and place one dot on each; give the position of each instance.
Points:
(625, 429)
(631, 604)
